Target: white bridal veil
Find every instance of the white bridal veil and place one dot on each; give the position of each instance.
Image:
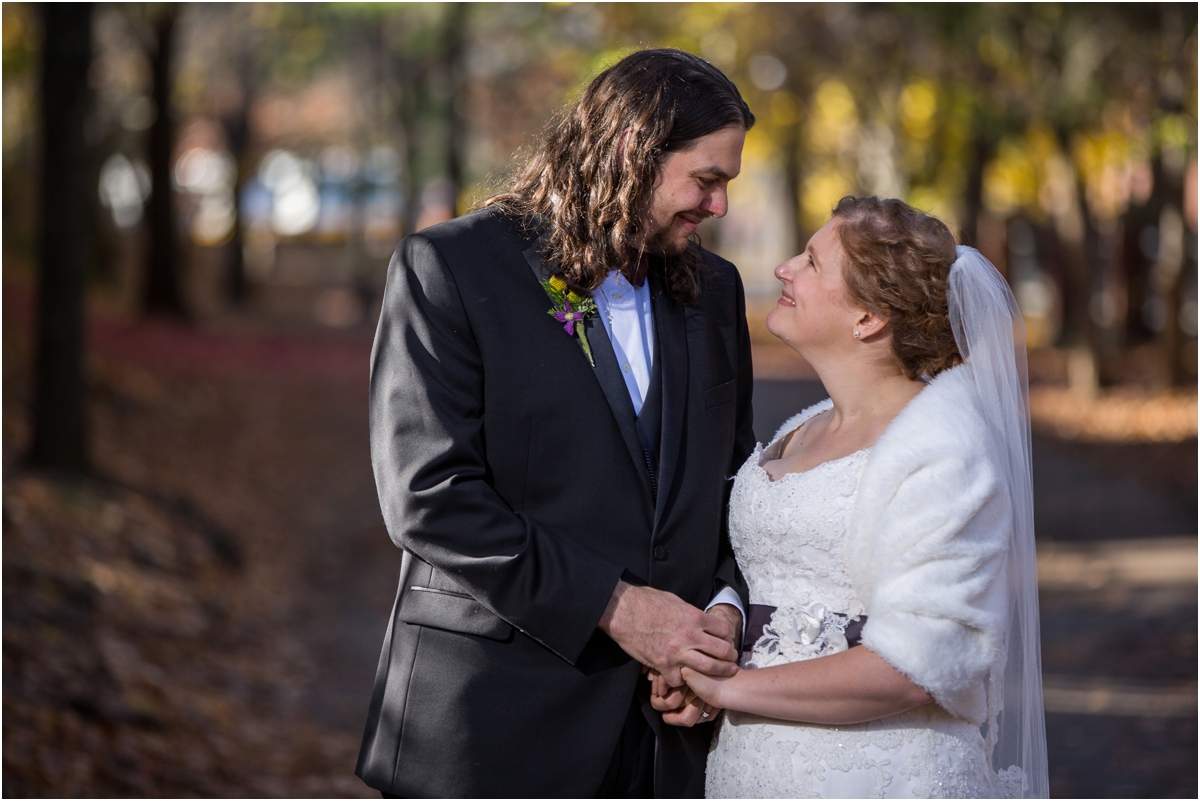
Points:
(990, 335)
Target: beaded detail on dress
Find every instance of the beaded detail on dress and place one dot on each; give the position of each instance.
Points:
(788, 536)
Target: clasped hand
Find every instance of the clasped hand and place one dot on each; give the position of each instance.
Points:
(666, 634)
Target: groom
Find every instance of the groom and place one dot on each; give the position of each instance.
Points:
(560, 391)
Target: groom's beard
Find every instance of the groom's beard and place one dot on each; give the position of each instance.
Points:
(658, 245)
(661, 243)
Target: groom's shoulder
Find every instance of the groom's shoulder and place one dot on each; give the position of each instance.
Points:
(717, 274)
(717, 267)
(481, 233)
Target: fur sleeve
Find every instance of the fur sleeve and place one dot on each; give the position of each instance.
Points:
(928, 555)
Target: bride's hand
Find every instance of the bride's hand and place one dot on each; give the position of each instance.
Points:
(664, 697)
(679, 705)
(712, 690)
(693, 712)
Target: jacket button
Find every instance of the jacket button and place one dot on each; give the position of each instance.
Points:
(660, 553)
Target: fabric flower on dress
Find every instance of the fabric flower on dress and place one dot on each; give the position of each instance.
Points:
(798, 632)
(813, 625)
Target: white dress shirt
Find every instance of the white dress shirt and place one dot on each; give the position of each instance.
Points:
(629, 322)
(628, 319)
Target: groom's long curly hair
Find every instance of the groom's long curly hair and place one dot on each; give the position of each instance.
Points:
(590, 182)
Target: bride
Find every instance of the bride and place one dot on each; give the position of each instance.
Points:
(887, 534)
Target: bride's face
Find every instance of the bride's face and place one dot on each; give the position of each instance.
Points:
(814, 310)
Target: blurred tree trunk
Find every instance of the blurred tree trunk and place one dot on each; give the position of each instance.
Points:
(237, 138)
(1109, 300)
(1168, 275)
(1073, 231)
(1134, 226)
(162, 292)
(973, 200)
(1157, 277)
(793, 180)
(409, 107)
(59, 433)
(453, 52)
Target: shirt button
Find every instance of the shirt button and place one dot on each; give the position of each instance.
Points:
(618, 295)
(625, 367)
(660, 553)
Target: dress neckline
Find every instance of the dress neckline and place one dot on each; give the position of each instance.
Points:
(814, 468)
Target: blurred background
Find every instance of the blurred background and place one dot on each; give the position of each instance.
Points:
(199, 203)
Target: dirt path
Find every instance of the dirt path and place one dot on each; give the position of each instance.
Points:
(203, 617)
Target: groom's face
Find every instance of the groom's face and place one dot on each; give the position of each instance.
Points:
(691, 187)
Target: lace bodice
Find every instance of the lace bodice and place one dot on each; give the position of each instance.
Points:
(788, 536)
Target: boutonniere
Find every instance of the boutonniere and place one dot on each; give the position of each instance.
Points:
(570, 309)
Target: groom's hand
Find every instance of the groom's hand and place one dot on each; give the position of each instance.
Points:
(679, 705)
(663, 632)
(733, 616)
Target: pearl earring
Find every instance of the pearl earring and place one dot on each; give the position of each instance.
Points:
(856, 335)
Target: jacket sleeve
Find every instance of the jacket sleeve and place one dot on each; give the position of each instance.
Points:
(728, 573)
(428, 455)
(933, 557)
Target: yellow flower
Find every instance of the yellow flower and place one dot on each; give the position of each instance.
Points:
(558, 284)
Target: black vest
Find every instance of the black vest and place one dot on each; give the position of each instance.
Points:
(649, 421)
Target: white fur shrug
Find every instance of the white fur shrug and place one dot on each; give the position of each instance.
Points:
(926, 545)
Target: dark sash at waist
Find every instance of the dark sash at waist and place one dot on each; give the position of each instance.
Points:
(759, 615)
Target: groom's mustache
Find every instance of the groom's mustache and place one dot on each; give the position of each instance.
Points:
(657, 243)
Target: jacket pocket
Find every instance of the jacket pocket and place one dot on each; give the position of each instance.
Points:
(451, 611)
(720, 394)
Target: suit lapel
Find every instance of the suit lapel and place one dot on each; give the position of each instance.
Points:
(673, 350)
(607, 372)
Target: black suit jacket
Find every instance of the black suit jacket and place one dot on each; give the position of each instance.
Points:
(510, 473)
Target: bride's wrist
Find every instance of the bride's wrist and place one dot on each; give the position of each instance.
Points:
(728, 693)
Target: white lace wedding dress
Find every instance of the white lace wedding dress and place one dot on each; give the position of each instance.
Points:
(788, 537)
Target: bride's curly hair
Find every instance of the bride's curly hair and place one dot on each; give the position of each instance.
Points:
(590, 182)
(898, 266)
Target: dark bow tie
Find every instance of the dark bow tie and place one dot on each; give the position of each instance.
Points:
(636, 273)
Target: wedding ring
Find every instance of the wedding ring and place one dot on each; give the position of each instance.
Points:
(703, 714)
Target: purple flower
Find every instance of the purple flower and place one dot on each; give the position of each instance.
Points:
(568, 318)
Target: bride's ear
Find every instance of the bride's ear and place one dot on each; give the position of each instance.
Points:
(868, 325)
